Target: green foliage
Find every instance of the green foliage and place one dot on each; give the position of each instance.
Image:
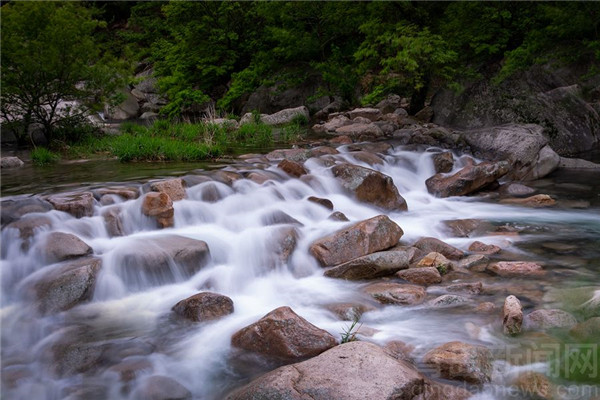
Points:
(299, 120)
(253, 133)
(50, 56)
(349, 334)
(43, 156)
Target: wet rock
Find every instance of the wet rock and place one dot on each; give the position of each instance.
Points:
(10, 162)
(159, 387)
(370, 186)
(395, 293)
(12, 210)
(539, 200)
(371, 266)
(588, 330)
(461, 361)
(351, 371)
(362, 131)
(349, 311)
(516, 190)
(338, 216)
(292, 168)
(64, 286)
(485, 307)
(399, 350)
(534, 385)
(429, 244)
(160, 259)
(366, 157)
(421, 276)
(333, 124)
(443, 162)
(172, 187)
(283, 242)
(577, 163)
(389, 104)
(366, 237)
(467, 287)
(447, 300)
(437, 261)
(113, 222)
(285, 116)
(29, 225)
(372, 114)
(466, 181)
(441, 391)
(204, 306)
(132, 368)
(60, 246)
(127, 193)
(371, 147)
(278, 217)
(473, 261)
(512, 316)
(226, 177)
(77, 204)
(283, 335)
(549, 319)
(72, 354)
(160, 207)
(482, 248)
(323, 202)
(465, 227)
(508, 269)
(343, 139)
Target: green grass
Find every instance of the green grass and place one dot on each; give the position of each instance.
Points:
(43, 156)
(350, 332)
(254, 133)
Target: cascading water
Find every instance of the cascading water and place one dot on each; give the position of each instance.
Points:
(129, 318)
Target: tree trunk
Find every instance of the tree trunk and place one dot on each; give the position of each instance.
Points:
(417, 100)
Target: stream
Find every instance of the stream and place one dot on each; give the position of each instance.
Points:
(129, 316)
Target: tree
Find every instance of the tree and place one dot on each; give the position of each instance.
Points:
(52, 69)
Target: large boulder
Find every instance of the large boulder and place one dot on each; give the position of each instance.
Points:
(12, 210)
(466, 181)
(549, 319)
(286, 116)
(159, 387)
(360, 130)
(60, 246)
(351, 371)
(371, 266)
(30, 225)
(370, 186)
(366, 237)
(160, 259)
(63, 286)
(77, 204)
(204, 306)
(127, 109)
(160, 207)
(283, 335)
(523, 146)
(461, 361)
(543, 94)
(396, 293)
(372, 114)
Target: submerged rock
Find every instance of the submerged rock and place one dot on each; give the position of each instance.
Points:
(396, 293)
(539, 200)
(549, 319)
(509, 269)
(461, 361)
(466, 181)
(204, 307)
(534, 385)
(11, 162)
(12, 210)
(371, 266)
(482, 248)
(349, 311)
(323, 202)
(159, 387)
(370, 186)
(292, 168)
(588, 330)
(366, 237)
(283, 335)
(351, 371)
(30, 225)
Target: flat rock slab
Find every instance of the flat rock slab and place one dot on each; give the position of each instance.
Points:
(371, 266)
(537, 201)
(366, 237)
(509, 269)
(351, 371)
(461, 361)
(77, 204)
(396, 293)
(466, 181)
(283, 335)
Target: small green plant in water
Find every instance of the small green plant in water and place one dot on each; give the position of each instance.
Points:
(349, 334)
(43, 156)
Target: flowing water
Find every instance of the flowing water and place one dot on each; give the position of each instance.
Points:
(129, 318)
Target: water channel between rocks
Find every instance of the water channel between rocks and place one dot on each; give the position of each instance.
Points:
(129, 317)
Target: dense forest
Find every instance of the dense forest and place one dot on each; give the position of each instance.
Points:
(218, 53)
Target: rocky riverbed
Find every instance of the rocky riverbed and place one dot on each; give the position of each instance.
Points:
(469, 263)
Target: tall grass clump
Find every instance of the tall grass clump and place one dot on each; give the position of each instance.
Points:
(43, 156)
(255, 133)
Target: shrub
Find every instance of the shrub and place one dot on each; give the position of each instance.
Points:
(43, 156)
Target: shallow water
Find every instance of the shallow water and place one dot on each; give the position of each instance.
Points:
(133, 311)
